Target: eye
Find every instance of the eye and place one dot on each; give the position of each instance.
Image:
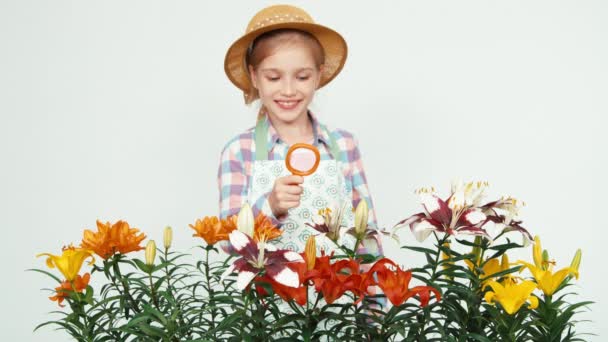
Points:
(272, 79)
(303, 78)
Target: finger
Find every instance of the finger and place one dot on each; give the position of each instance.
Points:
(293, 189)
(285, 197)
(293, 180)
(289, 204)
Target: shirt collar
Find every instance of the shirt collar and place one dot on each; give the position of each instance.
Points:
(320, 135)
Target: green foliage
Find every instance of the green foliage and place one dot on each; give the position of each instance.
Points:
(178, 301)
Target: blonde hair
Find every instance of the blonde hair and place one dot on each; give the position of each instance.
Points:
(267, 44)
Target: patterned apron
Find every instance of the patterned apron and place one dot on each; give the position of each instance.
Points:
(326, 187)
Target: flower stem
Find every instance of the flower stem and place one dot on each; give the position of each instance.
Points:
(209, 289)
(153, 292)
(125, 286)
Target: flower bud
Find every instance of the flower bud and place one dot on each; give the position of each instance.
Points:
(576, 261)
(150, 252)
(310, 252)
(168, 237)
(361, 215)
(504, 262)
(445, 257)
(245, 220)
(476, 251)
(537, 252)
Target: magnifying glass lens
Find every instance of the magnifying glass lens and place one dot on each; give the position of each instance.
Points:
(302, 159)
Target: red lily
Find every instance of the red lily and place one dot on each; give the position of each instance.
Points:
(395, 284)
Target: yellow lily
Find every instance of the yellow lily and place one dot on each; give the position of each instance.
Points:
(512, 296)
(491, 267)
(546, 280)
(70, 261)
(542, 270)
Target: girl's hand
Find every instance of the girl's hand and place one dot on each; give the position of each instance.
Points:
(285, 194)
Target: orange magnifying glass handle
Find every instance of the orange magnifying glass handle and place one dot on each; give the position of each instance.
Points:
(302, 159)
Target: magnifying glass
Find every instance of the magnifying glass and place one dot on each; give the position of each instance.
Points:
(302, 159)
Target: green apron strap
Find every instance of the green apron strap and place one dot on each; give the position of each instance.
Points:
(261, 139)
(333, 145)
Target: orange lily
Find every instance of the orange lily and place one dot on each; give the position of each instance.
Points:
(62, 292)
(70, 261)
(113, 238)
(264, 230)
(212, 229)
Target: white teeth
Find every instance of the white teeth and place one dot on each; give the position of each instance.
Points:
(287, 104)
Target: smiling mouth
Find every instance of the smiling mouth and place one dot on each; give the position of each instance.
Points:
(290, 104)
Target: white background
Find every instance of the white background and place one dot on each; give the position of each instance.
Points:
(119, 110)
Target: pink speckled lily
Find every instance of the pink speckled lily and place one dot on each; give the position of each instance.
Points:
(453, 216)
(261, 257)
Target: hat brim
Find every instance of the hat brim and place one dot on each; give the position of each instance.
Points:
(333, 44)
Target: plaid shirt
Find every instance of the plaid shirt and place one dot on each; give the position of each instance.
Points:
(234, 174)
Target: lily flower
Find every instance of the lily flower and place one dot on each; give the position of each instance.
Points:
(490, 268)
(62, 292)
(542, 270)
(548, 281)
(297, 294)
(440, 216)
(466, 194)
(344, 275)
(395, 284)
(70, 261)
(329, 222)
(503, 212)
(264, 230)
(512, 296)
(112, 238)
(261, 257)
(212, 229)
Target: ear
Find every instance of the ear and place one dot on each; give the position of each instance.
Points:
(252, 76)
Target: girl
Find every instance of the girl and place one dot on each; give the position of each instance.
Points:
(282, 59)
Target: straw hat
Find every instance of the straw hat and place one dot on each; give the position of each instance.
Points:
(281, 17)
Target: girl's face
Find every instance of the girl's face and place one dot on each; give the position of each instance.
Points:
(286, 82)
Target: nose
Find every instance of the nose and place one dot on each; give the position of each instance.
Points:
(288, 88)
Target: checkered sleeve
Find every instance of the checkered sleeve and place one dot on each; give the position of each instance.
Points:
(235, 161)
(232, 177)
(360, 188)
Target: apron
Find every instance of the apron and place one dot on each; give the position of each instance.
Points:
(326, 187)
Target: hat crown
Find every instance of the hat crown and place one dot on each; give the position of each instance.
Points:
(278, 14)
